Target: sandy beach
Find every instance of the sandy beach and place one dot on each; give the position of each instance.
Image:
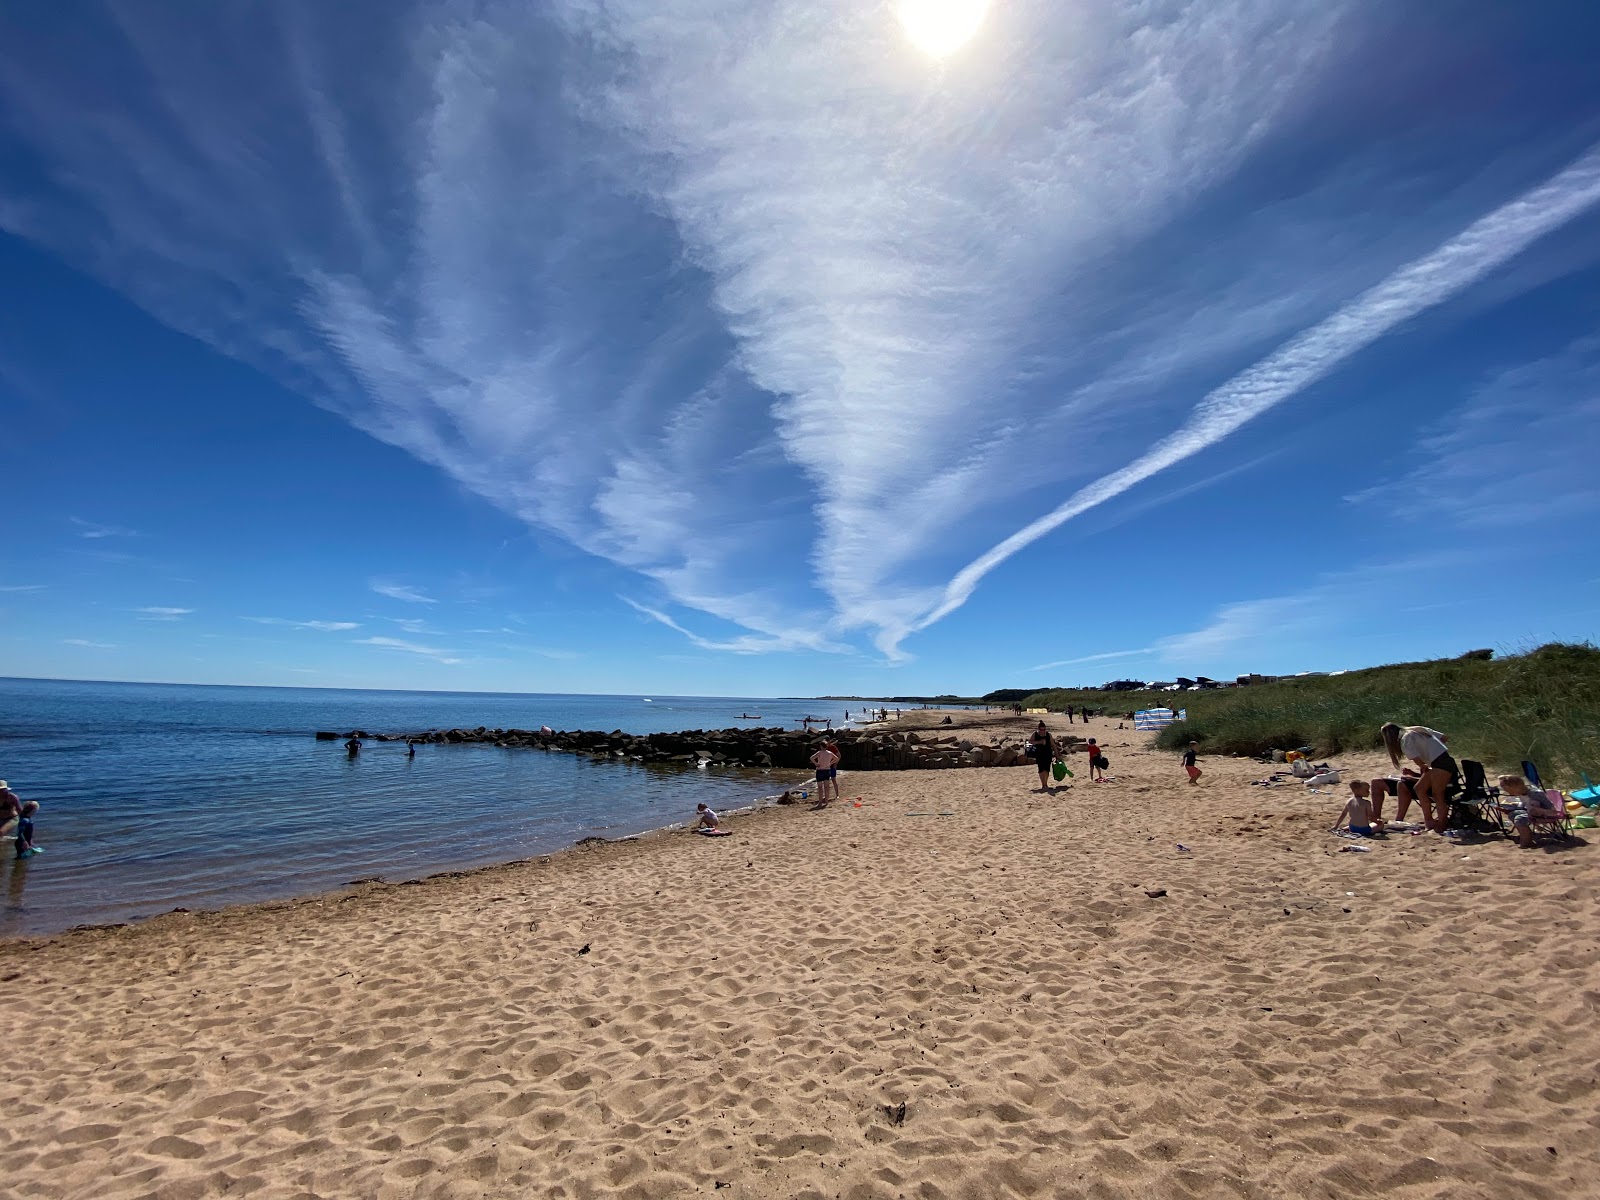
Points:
(961, 988)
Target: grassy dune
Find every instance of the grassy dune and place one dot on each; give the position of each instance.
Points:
(1543, 705)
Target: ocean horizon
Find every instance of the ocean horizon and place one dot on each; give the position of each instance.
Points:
(157, 796)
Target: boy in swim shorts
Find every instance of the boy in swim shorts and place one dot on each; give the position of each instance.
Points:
(824, 760)
(1358, 809)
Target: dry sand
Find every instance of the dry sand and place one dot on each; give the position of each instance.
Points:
(851, 1003)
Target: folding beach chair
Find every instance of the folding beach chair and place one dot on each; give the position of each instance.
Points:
(1477, 805)
(1558, 822)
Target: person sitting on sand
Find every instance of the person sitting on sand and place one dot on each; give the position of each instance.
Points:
(25, 846)
(824, 761)
(705, 818)
(1044, 754)
(1357, 811)
(1527, 803)
(1189, 756)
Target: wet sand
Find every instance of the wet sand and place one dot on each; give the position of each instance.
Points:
(1034, 995)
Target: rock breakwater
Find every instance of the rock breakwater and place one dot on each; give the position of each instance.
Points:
(859, 749)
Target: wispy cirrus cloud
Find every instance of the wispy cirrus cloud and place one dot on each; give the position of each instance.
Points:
(400, 591)
(448, 657)
(22, 587)
(321, 626)
(1089, 658)
(162, 612)
(1518, 455)
(86, 644)
(825, 299)
(1414, 288)
(93, 529)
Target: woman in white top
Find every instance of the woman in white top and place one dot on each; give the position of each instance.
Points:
(1437, 771)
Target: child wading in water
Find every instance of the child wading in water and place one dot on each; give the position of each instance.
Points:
(1189, 756)
(25, 846)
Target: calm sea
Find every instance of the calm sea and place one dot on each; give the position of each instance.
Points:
(156, 796)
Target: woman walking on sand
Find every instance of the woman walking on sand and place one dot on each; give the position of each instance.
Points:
(1439, 773)
(1044, 755)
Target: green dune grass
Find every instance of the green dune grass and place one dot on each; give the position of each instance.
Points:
(1543, 705)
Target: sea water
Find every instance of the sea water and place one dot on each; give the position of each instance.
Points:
(157, 796)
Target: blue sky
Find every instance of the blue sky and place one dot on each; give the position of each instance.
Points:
(749, 348)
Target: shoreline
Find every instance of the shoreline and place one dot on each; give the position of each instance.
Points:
(1038, 994)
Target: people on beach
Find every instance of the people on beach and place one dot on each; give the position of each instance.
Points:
(1044, 754)
(832, 747)
(1069, 714)
(24, 837)
(1527, 804)
(824, 760)
(1189, 756)
(1437, 773)
(1357, 811)
(706, 817)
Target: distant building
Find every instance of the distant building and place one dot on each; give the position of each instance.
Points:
(1247, 680)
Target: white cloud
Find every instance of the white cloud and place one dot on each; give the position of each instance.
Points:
(748, 299)
(322, 626)
(1519, 455)
(447, 657)
(88, 645)
(161, 612)
(1089, 658)
(399, 591)
(1414, 288)
(92, 529)
(23, 587)
(745, 644)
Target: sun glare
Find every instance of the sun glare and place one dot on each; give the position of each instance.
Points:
(941, 27)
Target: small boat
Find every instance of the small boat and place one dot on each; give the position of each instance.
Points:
(748, 717)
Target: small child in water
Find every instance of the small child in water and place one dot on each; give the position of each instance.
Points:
(24, 841)
(1189, 756)
(1358, 809)
(1526, 803)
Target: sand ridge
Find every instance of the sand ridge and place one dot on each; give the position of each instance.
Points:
(746, 1016)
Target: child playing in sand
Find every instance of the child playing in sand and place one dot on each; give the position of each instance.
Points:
(1357, 810)
(1189, 756)
(25, 846)
(705, 818)
(1098, 762)
(1526, 804)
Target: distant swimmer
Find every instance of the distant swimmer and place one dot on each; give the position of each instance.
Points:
(411, 748)
(353, 746)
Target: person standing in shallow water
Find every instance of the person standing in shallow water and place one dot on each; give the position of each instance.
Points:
(1044, 754)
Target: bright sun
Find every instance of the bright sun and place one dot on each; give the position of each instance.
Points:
(941, 27)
